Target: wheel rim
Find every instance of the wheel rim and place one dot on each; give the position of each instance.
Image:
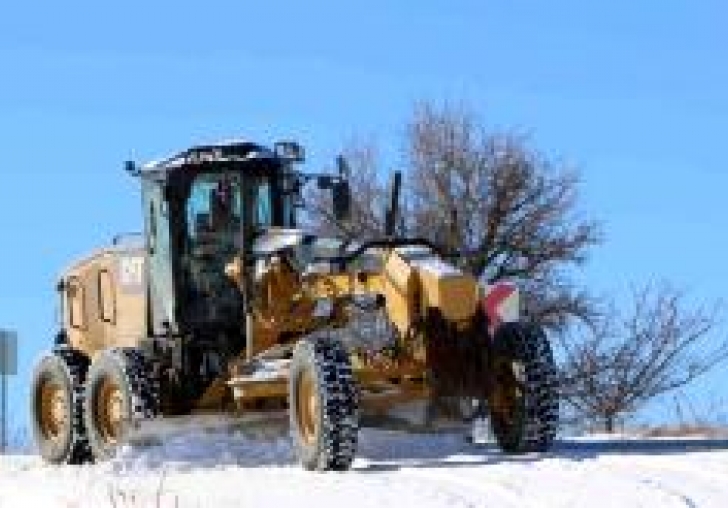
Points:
(507, 399)
(110, 410)
(307, 407)
(53, 410)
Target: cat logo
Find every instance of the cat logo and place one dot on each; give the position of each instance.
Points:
(131, 274)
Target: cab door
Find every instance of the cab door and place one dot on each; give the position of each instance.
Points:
(160, 272)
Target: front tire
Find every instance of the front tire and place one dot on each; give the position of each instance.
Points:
(524, 402)
(120, 394)
(323, 404)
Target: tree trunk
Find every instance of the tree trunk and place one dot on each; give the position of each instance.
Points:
(609, 424)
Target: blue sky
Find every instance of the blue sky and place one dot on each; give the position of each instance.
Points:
(634, 93)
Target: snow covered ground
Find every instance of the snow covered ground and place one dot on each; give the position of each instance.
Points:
(220, 469)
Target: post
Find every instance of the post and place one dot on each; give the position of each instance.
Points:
(8, 367)
(3, 439)
(2, 396)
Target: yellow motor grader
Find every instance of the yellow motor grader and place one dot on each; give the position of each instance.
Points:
(227, 306)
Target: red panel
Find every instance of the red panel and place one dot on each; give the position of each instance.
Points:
(492, 301)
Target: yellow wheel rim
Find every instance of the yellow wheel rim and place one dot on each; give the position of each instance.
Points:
(307, 407)
(53, 410)
(110, 410)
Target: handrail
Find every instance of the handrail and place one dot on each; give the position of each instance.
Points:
(121, 236)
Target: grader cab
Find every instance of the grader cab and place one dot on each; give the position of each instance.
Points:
(227, 305)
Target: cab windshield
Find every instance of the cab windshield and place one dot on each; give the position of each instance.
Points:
(218, 204)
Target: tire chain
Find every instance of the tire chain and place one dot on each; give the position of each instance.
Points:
(340, 403)
(144, 387)
(541, 391)
(77, 367)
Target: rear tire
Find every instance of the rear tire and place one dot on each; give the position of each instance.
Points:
(524, 400)
(56, 407)
(120, 394)
(323, 404)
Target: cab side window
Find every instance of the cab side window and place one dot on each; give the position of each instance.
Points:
(76, 301)
(107, 301)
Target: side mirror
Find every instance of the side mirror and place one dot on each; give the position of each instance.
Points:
(341, 200)
(324, 182)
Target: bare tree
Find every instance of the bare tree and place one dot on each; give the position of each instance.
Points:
(496, 205)
(658, 345)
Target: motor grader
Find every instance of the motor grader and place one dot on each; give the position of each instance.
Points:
(226, 305)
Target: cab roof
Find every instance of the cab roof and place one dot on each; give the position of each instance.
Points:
(226, 151)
